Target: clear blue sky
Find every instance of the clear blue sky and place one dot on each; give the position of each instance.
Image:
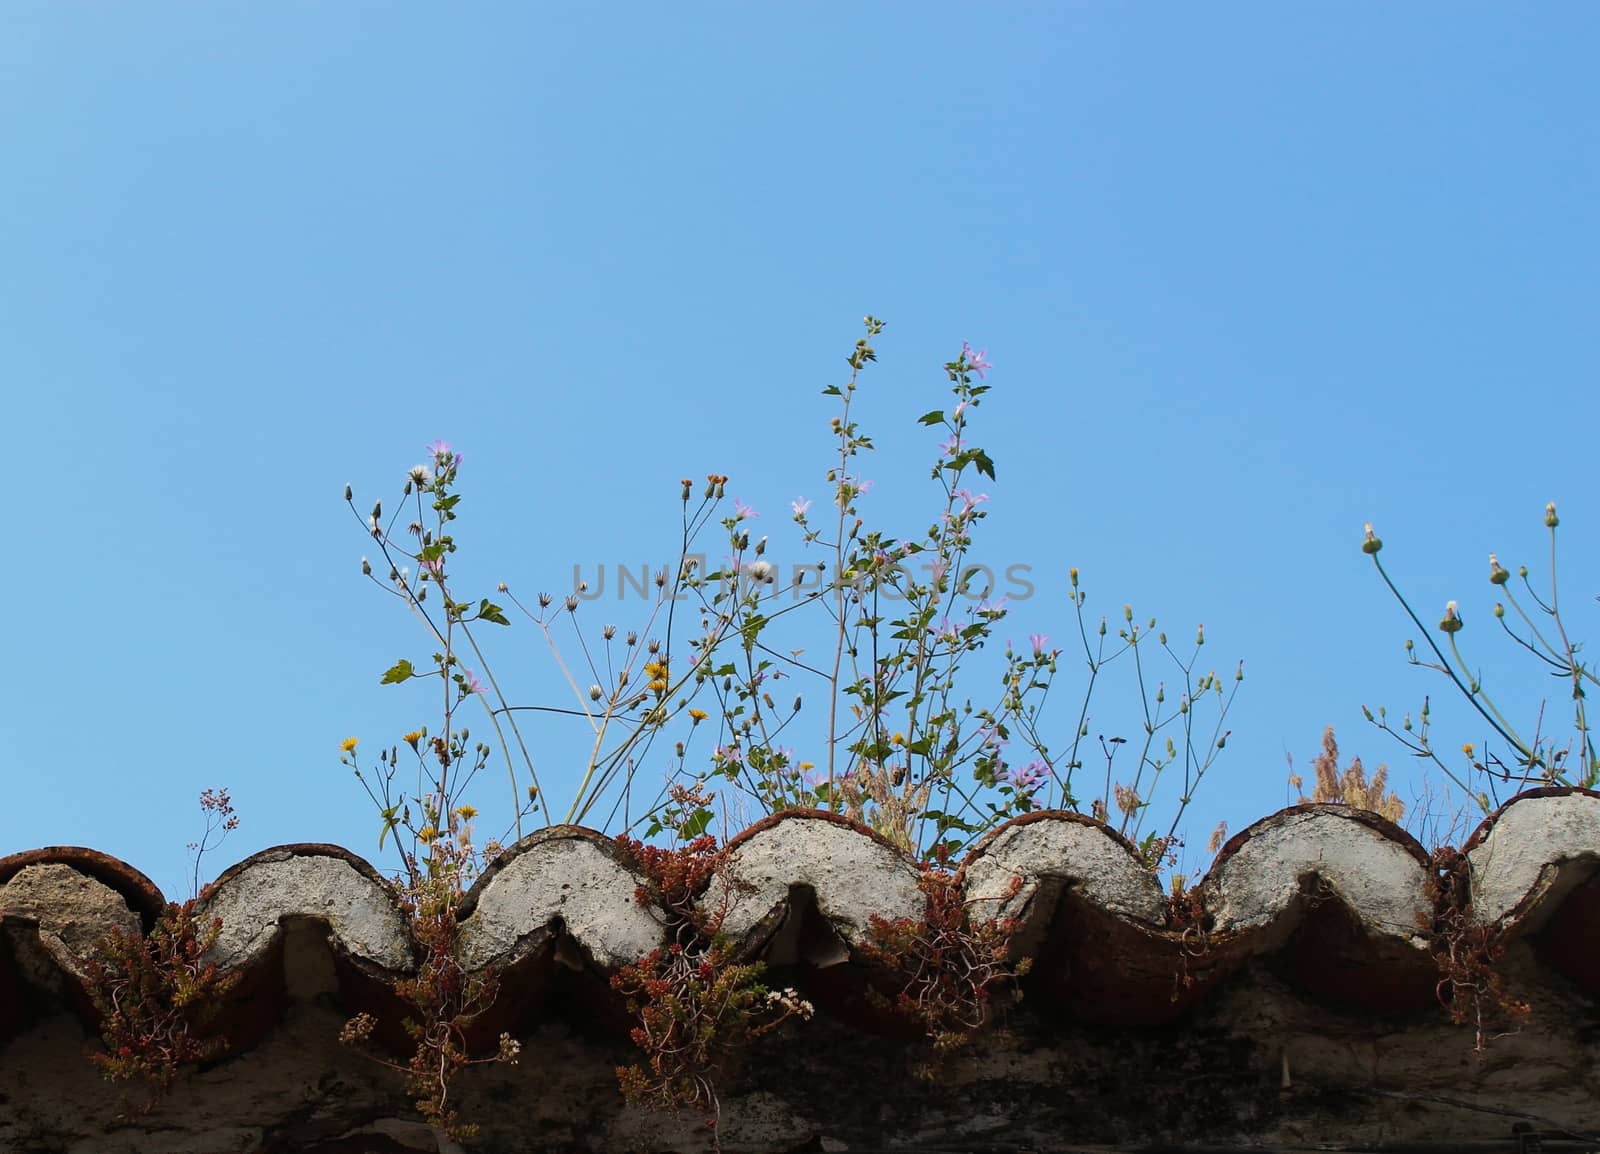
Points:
(1249, 275)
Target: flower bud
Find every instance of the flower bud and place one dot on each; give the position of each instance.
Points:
(349, 493)
(1072, 575)
(1499, 610)
(366, 567)
(1451, 621)
(1497, 574)
(1550, 518)
(1371, 544)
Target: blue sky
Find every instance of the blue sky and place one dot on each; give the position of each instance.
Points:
(1249, 275)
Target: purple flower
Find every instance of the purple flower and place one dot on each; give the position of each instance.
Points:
(951, 447)
(997, 607)
(434, 566)
(442, 456)
(1038, 641)
(975, 360)
(946, 630)
(729, 753)
(741, 511)
(471, 683)
(799, 505)
(1029, 778)
(968, 501)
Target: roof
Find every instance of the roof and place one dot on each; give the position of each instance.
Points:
(1306, 961)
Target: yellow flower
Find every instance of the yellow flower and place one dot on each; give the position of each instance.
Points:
(412, 738)
(1467, 749)
(657, 686)
(898, 739)
(466, 812)
(655, 669)
(427, 834)
(698, 715)
(348, 744)
(804, 765)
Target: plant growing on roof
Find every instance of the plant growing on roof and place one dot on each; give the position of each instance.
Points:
(947, 964)
(696, 1005)
(155, 993)
(1535, 758)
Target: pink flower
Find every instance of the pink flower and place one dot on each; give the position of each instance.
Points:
(435, 566)
(968, 500)
(951, 447)
(442, 456)
(471, 683)
(1038, 641)
(799, 505)
(741, 511)
(974, 360)
(1029, 778)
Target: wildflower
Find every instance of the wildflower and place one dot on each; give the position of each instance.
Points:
(1451, 621)
(741, 511)
(348, 744)
(1497, 573)
(1468, 749)
(1371, 544)
(898, 739)
(799, 505)
(466, 812)
(470, 682)
(427, 835)
(698, 715)
(951, 447)
(968, 501)
(1029, 778)
(420, 475)
(974, 360)
(761, 572)
(433, 565)
(997, 608)
(729, 753)
(1038, 641)
(437, 449)
(412, 738)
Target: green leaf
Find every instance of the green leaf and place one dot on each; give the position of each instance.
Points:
(400, 671)
(388, 824)
(832, 391)
(936, 417)
(489, 611)
(696, 824)
(984, 465)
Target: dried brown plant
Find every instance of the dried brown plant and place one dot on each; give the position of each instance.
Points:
(1349, 787)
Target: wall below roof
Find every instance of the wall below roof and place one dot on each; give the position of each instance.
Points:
(1257, 1064)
